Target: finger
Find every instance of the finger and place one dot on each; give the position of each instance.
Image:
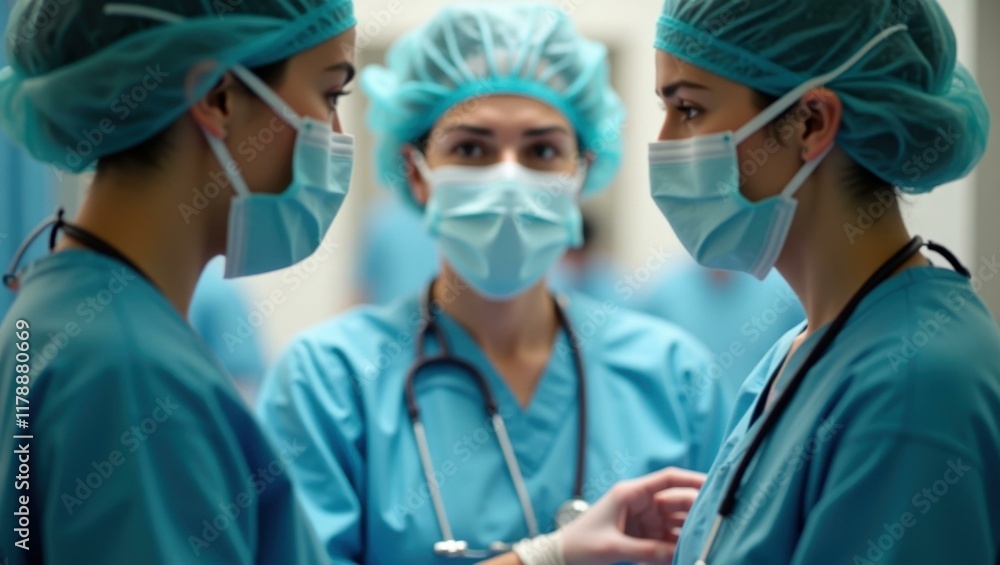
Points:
(671, 477)
(672, 528)
(672, 500)
(675, 522)
(652, 521)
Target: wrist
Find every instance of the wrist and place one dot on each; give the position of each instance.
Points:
(541, 550)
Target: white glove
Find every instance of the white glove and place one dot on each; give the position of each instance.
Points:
(541, 550)
(637, 520)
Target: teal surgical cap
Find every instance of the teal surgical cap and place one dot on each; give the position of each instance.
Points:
(913, 115)
(86, 80)
(472, 51)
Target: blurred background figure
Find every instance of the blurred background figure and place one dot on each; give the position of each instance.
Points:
(587, 269)
(736, 316)
(221, 314)
(26, 193)
(397, 257)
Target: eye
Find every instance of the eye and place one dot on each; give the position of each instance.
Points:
(544, 151)
(689, 112)
(468, 150)
(334, 97)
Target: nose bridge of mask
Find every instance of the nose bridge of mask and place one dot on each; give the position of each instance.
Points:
(789, 99)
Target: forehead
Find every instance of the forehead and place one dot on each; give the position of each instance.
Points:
(338, 49)
(505, 112)
(670, 69)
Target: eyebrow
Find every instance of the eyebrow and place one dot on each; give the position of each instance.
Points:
(671, 89)
(538, 132)
(343, 66)
(486, 132)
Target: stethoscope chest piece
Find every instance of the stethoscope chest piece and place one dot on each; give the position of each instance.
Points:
(571, 510)
(451, 548)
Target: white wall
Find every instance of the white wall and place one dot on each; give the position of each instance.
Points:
(947, 214)
(987, 201)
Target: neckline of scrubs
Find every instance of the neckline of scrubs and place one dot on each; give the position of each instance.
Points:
(912, 275)
(76, 257)
(534, 428)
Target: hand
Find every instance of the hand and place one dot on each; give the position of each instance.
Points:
(637, 520)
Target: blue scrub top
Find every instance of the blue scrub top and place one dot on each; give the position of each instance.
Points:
(737, 317)
(143, 452)
(889, 452)
(339, 390)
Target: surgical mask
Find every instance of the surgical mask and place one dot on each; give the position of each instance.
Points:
(267, 231)
(695, 184)
(502, 227)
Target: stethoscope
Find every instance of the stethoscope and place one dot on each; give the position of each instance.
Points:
(782, 401)
(56, 221)
(567, 512)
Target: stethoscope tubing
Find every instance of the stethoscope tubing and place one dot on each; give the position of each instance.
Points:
(445, 359)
